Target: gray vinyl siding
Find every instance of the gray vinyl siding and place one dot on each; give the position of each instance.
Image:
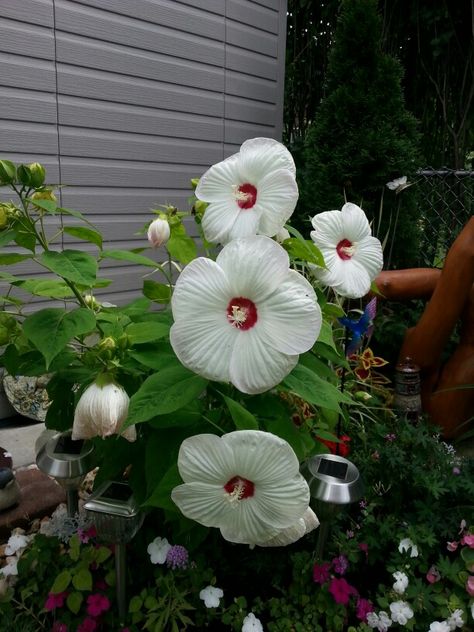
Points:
(124, 101)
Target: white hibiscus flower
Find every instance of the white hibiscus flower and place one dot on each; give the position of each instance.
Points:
(253, 191)
(245, 317)
(246, 483)
(352, 256)
(287, 536)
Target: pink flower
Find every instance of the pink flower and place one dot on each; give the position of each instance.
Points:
(88, 625)
(86, 535)
(59, 627)
(470, 585)
(364, 547)
(456, 471)
(452, 546)
(468, 540)
(364, 606)
(340, 564)
(433, 575)
(321, 573)
(97, 604)
(55, 600)
(341, 591)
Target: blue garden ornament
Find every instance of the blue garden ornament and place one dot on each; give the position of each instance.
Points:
(361, 327)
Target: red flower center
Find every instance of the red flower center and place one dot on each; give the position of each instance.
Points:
(239, 488)
(242, 313)
(344, 249)
(246, 195)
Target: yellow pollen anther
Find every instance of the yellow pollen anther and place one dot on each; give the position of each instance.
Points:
(348, 250)
(237, 493)
(238, 316)
(239, 195)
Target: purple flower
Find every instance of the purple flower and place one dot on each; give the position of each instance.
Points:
(363, 504)
(321, 573)
(340, 564)
(456, 471)
(349, 534)
(390, 436)
(177, 557)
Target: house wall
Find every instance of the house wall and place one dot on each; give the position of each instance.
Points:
(124, 101)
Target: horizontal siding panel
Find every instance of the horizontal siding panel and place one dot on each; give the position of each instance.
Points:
(251, 63)
(28, 105)
(110, 116)
(21, 137)
(251, 87)
(249, 111)
(247, 12)
(272, 4)
(236, 133)
(169, 13)
(81, 51)
(126, 174)
(34, 11)
(26, 39)
(27, 72)
(110, 201)
(211, 6)
(110, 27)
(244, 36)
(101, 85)
(142, 147)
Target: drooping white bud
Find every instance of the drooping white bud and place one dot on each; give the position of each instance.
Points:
(282, 234)
(101, 410)
(158, 232)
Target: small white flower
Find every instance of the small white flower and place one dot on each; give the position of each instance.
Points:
(247, 483)
(380, 621)
(455, 620)
(398, 184)
(407, 544)
(101, 410)
(10, 568)
(287, 536)
(400, 612)
(158, 232)
(439, 626)
(211, 596)
(16, 542)
(401, 582)
(352, 256)
(252, 624)
(251, 192)
(245, 317)
(158, 550)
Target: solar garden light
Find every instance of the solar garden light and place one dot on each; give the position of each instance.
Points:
(334, 483)
(117, 518)
(68, 461)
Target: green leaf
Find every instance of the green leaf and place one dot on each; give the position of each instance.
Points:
(72, 265)
(74, 602)
(305, 250)
(101, 554)
(9, 258)
(161, 496)
(326, 334)
(164, 392)
(87, 234)
(61, 582)
(136, 603)
(156, 357)
(180, 246)
(127, 255)
(146, 332)
(313, 389)
(52, 328)
(6, 236)
(49, 206)
(329, 353)
(242, 418)
(82, 580)
(157, 292)
(45, 287)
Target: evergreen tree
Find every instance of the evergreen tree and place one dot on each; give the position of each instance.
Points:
(362, 136)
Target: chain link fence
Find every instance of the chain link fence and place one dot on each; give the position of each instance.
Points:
(446, 203)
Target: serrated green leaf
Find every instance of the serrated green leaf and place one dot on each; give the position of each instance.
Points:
(146, 332)
(87, 234)
(74, 601)
(242, 418)
(72, 265)
(127, 255)
(82, 580)
(61, 582)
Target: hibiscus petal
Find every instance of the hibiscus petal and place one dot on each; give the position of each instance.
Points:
(276, 200)
(254, 266)
(255, 367)
(202, 502)
(215, 185)
(245, 225)
(291, 317)
(245, 525)
(328, 229)
(355, 222)
(207, 458)
(259, 156)
(219, 218)
(369, 253)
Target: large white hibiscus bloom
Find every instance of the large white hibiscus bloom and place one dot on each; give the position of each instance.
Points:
(352, 256)
(245, 317)
(246, 483)
(253, 191)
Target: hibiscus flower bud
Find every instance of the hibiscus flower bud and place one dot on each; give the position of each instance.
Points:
(46, 194)
(158, 232)
(37, 174)
(101, 411)
(3, 217)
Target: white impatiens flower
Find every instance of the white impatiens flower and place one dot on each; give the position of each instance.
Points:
(401, 582)
(455, 620)
(287, 536)
(380, 621)
(352, 256)
(439, 626)
(11, 567)
(400, 612)
(245, 317)
(252, 624)
(408, 545)
(158, 232)
(211, 595)
(101, 410)
(158, 550)
(251, 192)
(246, 483)
(16, 543)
